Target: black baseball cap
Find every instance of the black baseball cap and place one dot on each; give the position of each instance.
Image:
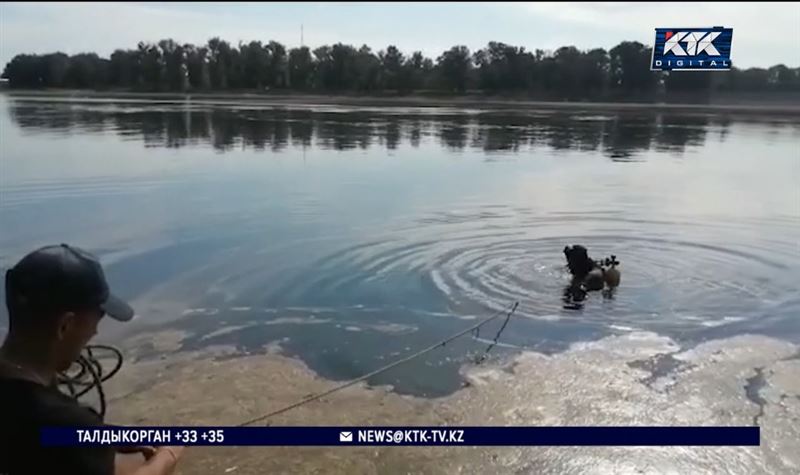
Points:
(63, 278)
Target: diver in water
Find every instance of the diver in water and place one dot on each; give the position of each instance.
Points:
(587, 274)
(585, 271)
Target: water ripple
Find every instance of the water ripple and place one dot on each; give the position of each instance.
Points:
(671, 279)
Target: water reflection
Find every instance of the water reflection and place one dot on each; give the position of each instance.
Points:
(621, 137)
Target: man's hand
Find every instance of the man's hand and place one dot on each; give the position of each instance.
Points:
(146, 450)
(175, 451)
(159, 460)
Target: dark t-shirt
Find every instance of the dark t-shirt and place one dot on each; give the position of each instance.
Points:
(24, 408)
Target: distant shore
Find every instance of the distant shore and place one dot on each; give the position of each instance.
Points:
(730, 105)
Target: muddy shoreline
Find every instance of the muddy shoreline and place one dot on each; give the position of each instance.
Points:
(636, 379)
(762, 107)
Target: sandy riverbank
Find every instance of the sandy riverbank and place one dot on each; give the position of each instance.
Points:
(764, 106)
(638, 379)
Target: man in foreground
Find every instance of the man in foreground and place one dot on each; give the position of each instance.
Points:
(56, 296)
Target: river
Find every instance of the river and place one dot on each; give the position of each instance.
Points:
(353, 236)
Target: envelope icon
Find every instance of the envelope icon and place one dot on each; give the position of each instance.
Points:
(345, 436)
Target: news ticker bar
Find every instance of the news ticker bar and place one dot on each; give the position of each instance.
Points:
(349, 436)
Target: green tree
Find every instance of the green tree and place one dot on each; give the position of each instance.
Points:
(782, 78)
(367, 70)
(454, 66)
(235, 69)
(418, 71)
(173, 66)
(55, 66)
(324, 77)
(593, 72)
(220, 61)
(567, 64)
(546, 72)
(301, 68)
(753, 79)
(256, 62)
(344, 66)
(278, 65)
(337, 68)
(124, 68)
(393, 74)
(24, 70)
(630, 68)
(150, 60)
(86, 70)
(503, 67)
(197, 66)
(487, 79)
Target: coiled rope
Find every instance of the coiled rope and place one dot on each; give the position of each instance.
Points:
(87, 373)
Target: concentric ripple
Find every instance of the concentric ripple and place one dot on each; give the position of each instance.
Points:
(676, 276)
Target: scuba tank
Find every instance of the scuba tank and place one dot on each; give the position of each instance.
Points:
(612, 274)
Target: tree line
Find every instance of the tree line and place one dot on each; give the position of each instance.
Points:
(566, 73)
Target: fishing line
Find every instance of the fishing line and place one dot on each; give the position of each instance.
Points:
(88, 373)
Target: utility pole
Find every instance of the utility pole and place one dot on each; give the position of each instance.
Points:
(301, 35)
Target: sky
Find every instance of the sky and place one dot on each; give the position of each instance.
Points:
(764, 34)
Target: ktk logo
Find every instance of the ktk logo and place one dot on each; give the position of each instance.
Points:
(692, 49)
(696, 42)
